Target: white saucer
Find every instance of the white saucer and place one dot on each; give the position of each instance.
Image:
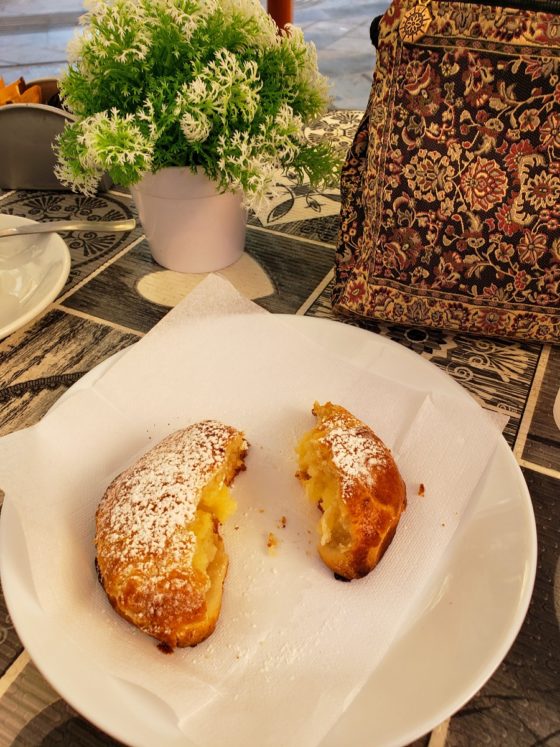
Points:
(33, 270)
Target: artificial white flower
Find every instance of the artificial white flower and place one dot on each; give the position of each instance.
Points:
(263, 188)
(250, 171)
(196, 128)
(187, 15)
(308, 71)
(264, 33)
(225, 86)
(75, 47)
(285, 135)
(125, 36)
(110, 139)
(230, 85)
(90, 6)
(81, 180)
(148, 115)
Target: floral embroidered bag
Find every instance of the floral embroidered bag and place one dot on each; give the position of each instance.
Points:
(450, 211)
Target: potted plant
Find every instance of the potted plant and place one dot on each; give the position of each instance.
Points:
(191, 103)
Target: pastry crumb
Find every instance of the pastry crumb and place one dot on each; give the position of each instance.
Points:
(421, 489)
(282, 522)
(165, 648)
(272, 543)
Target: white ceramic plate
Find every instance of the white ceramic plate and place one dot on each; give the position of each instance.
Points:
(450, 645)
(556, 409)
(33, 270)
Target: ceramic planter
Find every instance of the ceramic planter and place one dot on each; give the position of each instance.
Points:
(190, 226)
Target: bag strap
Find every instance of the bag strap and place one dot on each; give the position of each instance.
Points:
(374, 30)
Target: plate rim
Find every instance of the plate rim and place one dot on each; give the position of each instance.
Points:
(491, 665)
(8, 220)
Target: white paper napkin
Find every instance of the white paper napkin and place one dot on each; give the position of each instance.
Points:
(291, 639)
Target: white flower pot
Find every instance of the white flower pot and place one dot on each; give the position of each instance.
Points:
(189, 225)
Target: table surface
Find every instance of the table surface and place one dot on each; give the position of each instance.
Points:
(115, 293)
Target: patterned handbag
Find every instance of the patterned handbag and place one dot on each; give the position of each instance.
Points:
(450, 212)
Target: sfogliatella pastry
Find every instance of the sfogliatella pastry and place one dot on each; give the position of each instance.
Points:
(352, 476)
(160, 556)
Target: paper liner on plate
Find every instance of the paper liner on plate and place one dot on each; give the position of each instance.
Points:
(286, 623)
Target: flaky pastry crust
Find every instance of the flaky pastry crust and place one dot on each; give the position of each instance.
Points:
(160, 556)
(352, 476)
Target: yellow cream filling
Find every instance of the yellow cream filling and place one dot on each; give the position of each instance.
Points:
(217, 499)
(322, 487)
(203, 528)
(216, 503)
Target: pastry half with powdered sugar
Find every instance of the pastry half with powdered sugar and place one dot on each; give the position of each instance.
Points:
(353, 478)
(160, 556)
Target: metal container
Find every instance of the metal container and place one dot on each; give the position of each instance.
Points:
(27, 134)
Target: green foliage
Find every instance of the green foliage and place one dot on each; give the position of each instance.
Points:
(207, 84)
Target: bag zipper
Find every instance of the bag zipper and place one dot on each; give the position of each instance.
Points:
(416, 21)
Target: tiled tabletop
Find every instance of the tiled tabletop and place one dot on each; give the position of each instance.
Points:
(115, 293)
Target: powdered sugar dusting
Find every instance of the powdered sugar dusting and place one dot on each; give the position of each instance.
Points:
(148, 501)
(356, 453)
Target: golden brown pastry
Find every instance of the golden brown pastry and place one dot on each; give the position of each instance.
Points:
(160, 556)
(352, 476)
